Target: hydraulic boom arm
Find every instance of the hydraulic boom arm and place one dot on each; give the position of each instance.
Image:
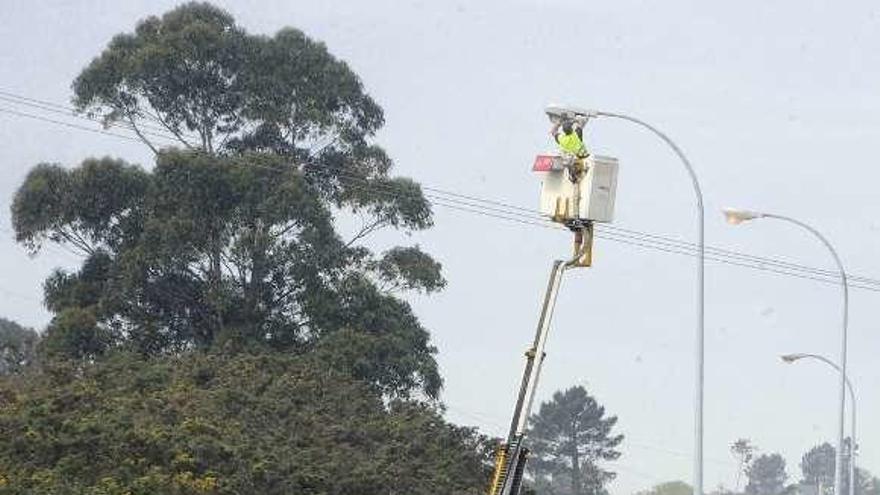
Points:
(510, 460)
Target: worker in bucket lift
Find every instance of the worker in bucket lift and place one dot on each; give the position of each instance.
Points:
(569, 135)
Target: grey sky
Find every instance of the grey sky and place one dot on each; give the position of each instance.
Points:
(776, 103)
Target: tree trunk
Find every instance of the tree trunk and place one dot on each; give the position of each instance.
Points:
(576, 485)
(214, 283)
(254, 289)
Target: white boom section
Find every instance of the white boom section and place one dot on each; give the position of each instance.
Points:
(540, 341)
(511, 481)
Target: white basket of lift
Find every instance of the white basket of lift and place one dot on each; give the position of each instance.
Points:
(597, 189)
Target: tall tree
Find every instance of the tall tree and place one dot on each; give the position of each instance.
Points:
(817, 466)
(766, 475)
(230, 240)
(570, 437)
(18, 346)
(744, 451)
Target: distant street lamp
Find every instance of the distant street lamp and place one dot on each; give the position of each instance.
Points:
(790, 358)
(735, 217)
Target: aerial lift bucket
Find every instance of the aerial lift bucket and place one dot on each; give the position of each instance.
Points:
(577, 192)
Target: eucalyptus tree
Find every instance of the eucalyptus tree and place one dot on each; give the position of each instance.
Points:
(232, 239)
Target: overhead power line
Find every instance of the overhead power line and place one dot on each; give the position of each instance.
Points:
(651, 241)
(499, 210)
(504, 207)
(67, 124)
(666, 239)
(159, 131)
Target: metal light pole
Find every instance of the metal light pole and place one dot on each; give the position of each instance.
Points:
(701, 288)
(736, 216)
(790, 358)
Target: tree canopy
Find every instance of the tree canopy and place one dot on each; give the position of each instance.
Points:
(196, 72)
(818, 469)
(231, 239)
(817, 465)
(18, 347)
(766, 475)
(570, 436)
(208, 424)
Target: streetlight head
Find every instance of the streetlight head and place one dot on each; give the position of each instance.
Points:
(558, 113)
(735, 216)
(790, 358)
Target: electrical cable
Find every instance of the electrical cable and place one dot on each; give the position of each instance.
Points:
(512, 213)
(68, 124)
(69, 111)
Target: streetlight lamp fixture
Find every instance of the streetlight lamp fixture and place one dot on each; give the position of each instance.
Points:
(791, 358)
(737, 216)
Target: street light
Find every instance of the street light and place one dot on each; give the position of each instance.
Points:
(701, 265)
(737, 216)
(791, 358)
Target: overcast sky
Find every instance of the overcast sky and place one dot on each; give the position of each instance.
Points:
(776, 103)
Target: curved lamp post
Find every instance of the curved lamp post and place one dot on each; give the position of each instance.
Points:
(701, 287)
(736, 216)
(791, 358)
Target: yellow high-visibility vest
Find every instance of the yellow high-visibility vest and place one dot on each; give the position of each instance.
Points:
(571, 143)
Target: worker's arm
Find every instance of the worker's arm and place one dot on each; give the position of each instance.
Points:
(578, 126)
(554, 130)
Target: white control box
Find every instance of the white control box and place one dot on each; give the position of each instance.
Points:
(592, 199)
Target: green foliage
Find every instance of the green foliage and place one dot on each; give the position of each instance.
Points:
(296, 90)
(197, 73)
(235, 251)
(817, 465)
(88, 207)
(186, 66)
(569, 438)
(212, 424)
(75, 334)
(676, 487)
(230, 240)
(18, 347)
(766, 475)
(220, 336)
(409, 268)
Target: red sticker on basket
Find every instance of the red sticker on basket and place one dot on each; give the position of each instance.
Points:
(543, 163)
